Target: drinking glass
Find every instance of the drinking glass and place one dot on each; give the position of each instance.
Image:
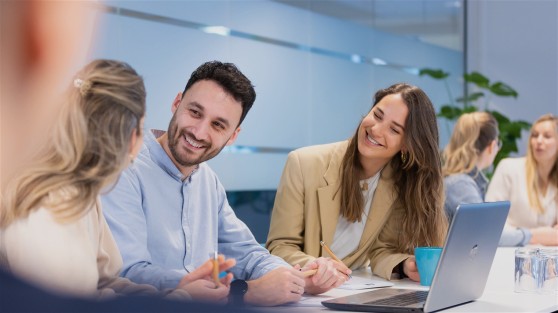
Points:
(526, 269)
(548, 259)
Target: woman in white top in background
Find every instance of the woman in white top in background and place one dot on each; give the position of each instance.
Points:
(52, 231)
(531, 184)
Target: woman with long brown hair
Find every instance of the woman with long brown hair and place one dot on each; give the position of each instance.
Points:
(372, 198)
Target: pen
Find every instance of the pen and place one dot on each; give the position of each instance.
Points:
(216, 269)
(333, 256)
(309, 273)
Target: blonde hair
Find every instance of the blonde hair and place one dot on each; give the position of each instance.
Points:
(89, 146)
(533, 188)
(472, 133)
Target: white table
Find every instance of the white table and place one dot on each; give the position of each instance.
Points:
(498, 296)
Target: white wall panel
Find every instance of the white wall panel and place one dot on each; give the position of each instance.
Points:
(517, 42)
(303, 97)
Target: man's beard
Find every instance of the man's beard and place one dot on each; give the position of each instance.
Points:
(182, 158)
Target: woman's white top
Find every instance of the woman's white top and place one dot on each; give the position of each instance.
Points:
(347, 234)
(510, 183)
(78, 257)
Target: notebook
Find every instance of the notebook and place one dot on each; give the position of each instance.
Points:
(462, 270)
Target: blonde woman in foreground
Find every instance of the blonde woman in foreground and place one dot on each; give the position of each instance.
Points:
(531, 184)
(52, 230)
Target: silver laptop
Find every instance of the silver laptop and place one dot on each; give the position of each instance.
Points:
(462, 271)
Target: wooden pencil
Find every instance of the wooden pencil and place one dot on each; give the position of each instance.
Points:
(216, 270)
(309, 273)
(333, 256)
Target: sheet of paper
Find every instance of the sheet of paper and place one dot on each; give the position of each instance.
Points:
(355, 283)
(359, 283)
(310, 300)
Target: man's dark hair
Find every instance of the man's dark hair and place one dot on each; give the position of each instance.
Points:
(229, 77)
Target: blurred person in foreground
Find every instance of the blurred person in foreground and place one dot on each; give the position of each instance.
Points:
(42, 44)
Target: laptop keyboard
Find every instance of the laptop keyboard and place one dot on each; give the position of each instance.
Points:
(402, 299)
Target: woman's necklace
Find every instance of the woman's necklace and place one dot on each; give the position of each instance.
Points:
(370, 181)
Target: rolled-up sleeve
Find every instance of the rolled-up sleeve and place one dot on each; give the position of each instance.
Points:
(514, 237)
(236, 241)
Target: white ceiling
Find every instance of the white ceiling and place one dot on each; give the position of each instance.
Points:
(439, 22)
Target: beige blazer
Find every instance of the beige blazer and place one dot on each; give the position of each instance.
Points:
(307, 207)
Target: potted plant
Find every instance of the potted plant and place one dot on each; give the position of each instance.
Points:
(484, 90)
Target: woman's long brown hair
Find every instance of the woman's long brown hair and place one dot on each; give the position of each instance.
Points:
(418, 182)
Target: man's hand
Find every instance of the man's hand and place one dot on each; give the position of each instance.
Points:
(200, 285)
(330, 274)
(279, 286)
(205, 291)
(410, 269)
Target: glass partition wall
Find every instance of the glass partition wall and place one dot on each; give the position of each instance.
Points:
(315, 65)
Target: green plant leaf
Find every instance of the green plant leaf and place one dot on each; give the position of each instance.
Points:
(477, 79)
(509, 146)
(450, 112)
(502, 119)
(470, 109)
(524, 125)
(471, 97)
(453, 113)
(434, 73)
(512, 129)
(503, 90)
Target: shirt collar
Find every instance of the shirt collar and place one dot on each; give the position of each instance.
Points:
(480, 179)
(160, 156)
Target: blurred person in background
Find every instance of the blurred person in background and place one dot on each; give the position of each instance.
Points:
(531, 184)
(473, 146)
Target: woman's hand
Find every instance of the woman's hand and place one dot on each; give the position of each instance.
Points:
(330, 274)
(410, 269)
(279, 286)
(547, 236)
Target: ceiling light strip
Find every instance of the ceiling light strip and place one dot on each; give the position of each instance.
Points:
(227, 32)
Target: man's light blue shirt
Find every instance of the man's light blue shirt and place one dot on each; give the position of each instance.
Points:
(166, 224)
